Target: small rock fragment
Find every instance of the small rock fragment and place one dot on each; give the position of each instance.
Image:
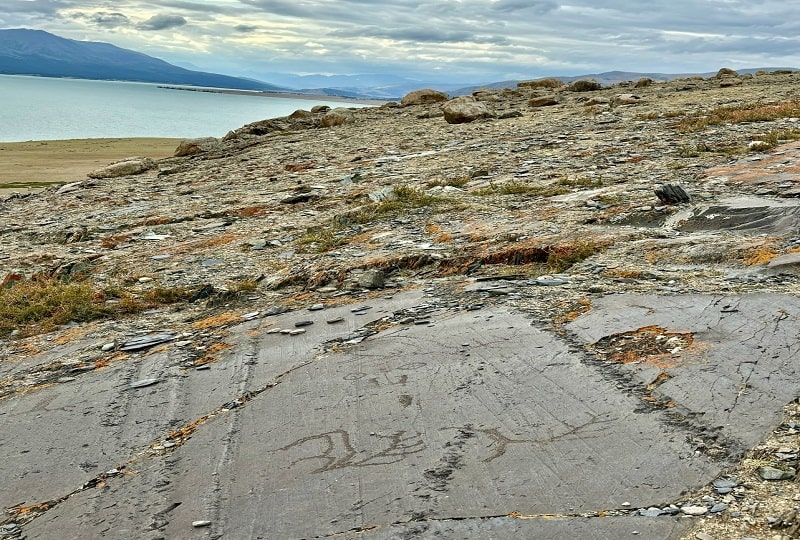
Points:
(694, 510)
(201, 523)
(771, 473)
(672, 194)
(144, 382)
(371, 279)
(145, 342)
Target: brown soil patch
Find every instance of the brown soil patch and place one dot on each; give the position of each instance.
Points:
(650, 345)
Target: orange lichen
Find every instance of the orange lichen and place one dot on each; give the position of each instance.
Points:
(250, 211)
(217, 321)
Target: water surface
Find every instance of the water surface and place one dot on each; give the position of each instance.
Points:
(42, 108)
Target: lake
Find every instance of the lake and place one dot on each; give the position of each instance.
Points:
(41, 108)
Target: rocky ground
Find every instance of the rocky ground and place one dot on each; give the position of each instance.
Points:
(545, 204)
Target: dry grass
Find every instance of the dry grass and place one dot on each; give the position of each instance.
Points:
(522, 188)
(752, 112)
(563, 256)
(775, 137)
(42, 304)
(405, 198)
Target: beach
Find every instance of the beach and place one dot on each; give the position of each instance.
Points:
(33, 165)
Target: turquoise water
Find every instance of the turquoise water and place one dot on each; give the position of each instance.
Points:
(41, 108)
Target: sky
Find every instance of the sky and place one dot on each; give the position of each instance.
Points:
(433, 40)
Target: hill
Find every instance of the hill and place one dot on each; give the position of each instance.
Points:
(36, 52)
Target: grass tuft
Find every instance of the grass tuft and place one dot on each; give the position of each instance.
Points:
(752, 112)
(42, 304)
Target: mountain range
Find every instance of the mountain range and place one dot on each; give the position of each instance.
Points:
(36, 52)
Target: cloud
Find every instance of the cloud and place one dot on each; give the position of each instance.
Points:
(162, 22)
(46, 7)
(508, 6)
(105, 19)
(422, 34)
(466, 39)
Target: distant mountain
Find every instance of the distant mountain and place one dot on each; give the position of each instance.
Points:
(35, 52)
(373, 85)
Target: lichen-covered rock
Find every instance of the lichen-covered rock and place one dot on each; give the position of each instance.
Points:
(336, 117)
(725, 73)
(300, 114)
(465, 109)
(543, 101)
(541, 83)
(190, 147)
(584, 85)
(124, 167)
(423, 97)
(626, 99)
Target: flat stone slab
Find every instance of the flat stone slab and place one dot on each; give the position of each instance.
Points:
(474, 416)
(737, 374)
(107, 416)
(474, 424)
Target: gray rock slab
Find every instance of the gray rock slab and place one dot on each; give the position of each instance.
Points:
(789, 264)
(99, 421)
(410, 424)
(742, 368)
(750, 214)
(609, 528)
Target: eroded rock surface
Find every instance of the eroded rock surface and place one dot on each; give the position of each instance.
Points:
(403, 327)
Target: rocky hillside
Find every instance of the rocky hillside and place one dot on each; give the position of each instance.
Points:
(544, 199)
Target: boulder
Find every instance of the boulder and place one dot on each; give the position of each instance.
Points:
(190, 147)
(320, 109)
(584, 85)
(465, 109)
(541, 83)
(644, 82)
(543, 101)
(599, 100)
(730, 81)
(626, 99)
(725, 73)
(423, 97)
(124, 167)
(300, 114)
(336, 117)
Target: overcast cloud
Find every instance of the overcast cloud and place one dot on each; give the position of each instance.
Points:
(460, 41)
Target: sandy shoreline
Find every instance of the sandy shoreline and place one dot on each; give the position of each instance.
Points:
(32, 165)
